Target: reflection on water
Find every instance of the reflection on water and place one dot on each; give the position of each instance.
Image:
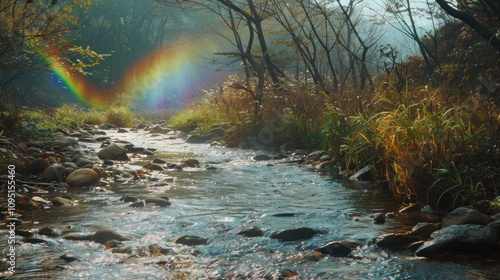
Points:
(217, 205)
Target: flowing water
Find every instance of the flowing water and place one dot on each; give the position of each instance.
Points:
(217, 204)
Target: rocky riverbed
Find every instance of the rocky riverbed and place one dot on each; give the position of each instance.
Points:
(114, 203)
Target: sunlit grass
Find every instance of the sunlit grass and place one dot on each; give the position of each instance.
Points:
(426, 146)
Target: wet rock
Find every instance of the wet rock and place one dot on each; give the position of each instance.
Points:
(38, 165)
(34, 240)
(199, 139)
(113, 152)
(424, 230)
(315, 155)
(68, 258)
(137, 204)
(309, 257)
(59, 201)
(192, 163)
(103, 236)
(159, 161)
(102, 138)
(217, 130)
(495, 224)
(107, 126)
(475, 238)
(325, 158)
(148, 153)
(211, 168)
(136, 149)
(482, 206)
(83, 162)
(82, 178)
(323, 165)
(262, 157)
(54, 172)
(160, 130)
(153, 250)
(378, 218)
(23, 233)
(364, 174)
(395, 240)
(191, 240)
(337, 248)
(122, 130)
(122, 250)
(113, 243)
(49, 232)
(465, 215)
(252, 232)
(128, 199)
(157, 201)
(301, 233)
(427, 209)
(154, 167)
(62, 141)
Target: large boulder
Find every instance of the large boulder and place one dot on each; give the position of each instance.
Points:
(465, 215)
(113, 152)
(476, 238)
(82, 177)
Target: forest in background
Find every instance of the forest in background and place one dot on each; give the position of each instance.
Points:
(422, 112)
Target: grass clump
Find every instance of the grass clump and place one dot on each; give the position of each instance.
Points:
(120, 116)
(429, 148)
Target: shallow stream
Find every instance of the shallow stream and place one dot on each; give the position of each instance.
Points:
(217, 204)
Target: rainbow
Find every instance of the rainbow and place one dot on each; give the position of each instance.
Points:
(166, 77)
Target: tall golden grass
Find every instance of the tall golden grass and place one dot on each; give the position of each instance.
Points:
(425, 144)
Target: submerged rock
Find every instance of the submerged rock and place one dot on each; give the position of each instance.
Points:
(192, 163)
(378, 218)
(103, 236)
(337, 248)
(262, 157)
(301, 233)
(158, 201)
(191, 240)
(252, 232)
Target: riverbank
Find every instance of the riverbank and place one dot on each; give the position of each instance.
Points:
(165, 178)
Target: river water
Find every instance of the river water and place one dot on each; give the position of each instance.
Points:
(217, 204)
